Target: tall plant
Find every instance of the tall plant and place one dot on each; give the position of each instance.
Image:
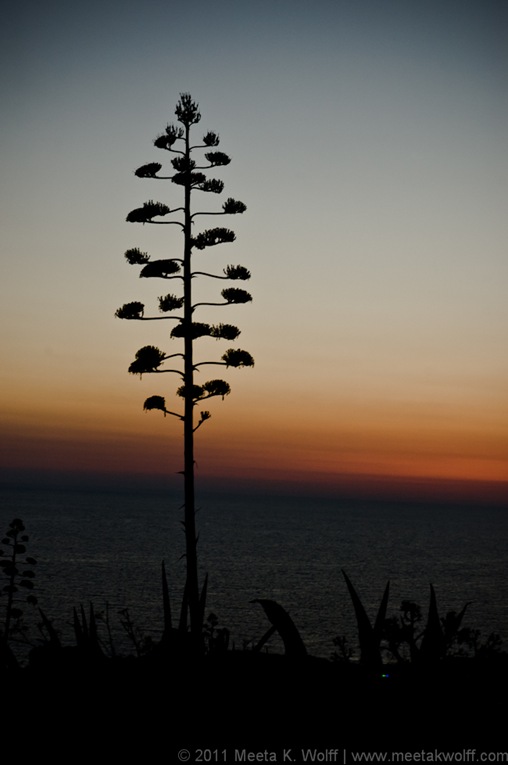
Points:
(189, 176)
(19, 573)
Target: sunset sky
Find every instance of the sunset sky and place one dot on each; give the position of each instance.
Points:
(369, 142)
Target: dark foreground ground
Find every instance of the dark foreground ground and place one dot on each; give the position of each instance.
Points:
(245, 707)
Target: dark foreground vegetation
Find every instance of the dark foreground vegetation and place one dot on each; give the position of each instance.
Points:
(242, 699)
(410, 687)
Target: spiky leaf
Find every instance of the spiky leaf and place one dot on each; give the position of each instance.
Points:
(202, 601)
(48, 625)
(432, 645)
(166, 603)
(369, 638)
(281, 620)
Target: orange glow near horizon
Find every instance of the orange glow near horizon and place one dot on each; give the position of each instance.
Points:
(264, 446)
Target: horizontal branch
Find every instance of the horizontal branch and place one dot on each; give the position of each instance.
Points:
(221, 212)
(212, 276)
(197, 305)
(158, 318)
(203, 363)
(232, 273)
(166, 223)
(163, 371)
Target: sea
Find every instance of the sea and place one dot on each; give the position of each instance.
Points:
(106, 548)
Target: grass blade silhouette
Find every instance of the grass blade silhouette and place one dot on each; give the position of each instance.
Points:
(166, 603)
(369, 637)
(432, 646)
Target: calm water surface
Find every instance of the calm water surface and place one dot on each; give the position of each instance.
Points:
(107, 548)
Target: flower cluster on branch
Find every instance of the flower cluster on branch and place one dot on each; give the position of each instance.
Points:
(188, 174)
(213, 236)
(235, 295)
(170, 303)
(237, 272)
(237, 358)
(164, 269)
(147, 359)
(134, 310)
(149, 210)
(134, 256)
(148, 171)
(207, 390)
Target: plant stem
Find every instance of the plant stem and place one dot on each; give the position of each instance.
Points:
(190, 519)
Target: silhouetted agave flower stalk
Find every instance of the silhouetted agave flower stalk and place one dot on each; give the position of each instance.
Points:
(188, 163)
(19, 574)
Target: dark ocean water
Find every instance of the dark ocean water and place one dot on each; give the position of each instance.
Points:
(107, 548)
